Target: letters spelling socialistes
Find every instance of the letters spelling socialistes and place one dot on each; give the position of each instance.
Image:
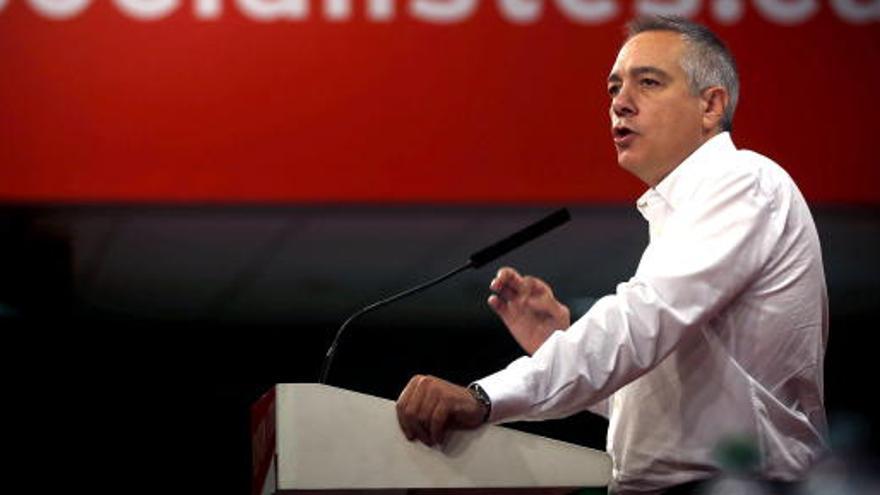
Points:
(589, 12)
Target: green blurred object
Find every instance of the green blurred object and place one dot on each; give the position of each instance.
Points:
(590, 491)
(738, 454)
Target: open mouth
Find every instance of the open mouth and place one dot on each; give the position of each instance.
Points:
(622, 134)
(622, 131)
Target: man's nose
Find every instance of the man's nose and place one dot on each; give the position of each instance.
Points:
(622, 104)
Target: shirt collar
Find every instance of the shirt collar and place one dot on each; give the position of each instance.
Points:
(676, 185)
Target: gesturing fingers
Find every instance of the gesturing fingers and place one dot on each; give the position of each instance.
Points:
(507, 284)
(497, 304)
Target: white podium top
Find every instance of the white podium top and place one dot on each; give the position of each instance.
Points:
(333, 439)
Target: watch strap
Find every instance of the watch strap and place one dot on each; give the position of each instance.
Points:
(482, 397)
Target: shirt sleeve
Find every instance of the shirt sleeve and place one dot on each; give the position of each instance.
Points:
(712, 246)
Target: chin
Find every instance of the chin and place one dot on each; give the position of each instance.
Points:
(626, 162)
(634, 167)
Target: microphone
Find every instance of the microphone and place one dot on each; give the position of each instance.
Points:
(517, 239)
(476, 260)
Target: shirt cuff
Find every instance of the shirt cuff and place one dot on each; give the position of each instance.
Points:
(507, 394)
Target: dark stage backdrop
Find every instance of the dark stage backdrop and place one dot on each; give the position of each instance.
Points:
(134, 339)
(398, 101)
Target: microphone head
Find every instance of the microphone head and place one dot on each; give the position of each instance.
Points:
(517, 239)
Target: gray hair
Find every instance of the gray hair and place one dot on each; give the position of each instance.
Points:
(707, 62)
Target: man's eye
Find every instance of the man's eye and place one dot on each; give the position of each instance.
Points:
(613, 90)
(649, 82)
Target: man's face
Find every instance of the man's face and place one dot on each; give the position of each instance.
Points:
(656, 121)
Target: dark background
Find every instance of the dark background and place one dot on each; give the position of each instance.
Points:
(136, 338)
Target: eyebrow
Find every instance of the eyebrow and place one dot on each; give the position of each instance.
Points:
(640, 71)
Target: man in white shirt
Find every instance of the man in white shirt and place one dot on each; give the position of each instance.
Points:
(718, 337)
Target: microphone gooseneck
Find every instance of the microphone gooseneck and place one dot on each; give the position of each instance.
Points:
(476, 260)
(328, 359)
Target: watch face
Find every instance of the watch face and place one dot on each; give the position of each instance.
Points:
(480, 395)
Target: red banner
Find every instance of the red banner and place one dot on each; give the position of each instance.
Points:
(443, 101)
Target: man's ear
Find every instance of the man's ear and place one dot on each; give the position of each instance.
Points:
(714, 100)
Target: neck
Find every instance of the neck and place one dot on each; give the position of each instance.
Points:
(661, 174)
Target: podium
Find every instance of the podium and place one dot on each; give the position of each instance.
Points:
(311, 438)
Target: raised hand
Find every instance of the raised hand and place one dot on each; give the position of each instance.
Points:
(527, 306)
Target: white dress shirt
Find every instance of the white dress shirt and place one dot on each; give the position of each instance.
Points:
(719, 335)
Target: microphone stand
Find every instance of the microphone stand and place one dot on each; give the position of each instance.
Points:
(477, 260)
(331, 352)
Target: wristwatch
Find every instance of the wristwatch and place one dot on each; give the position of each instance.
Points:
(480, 395)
